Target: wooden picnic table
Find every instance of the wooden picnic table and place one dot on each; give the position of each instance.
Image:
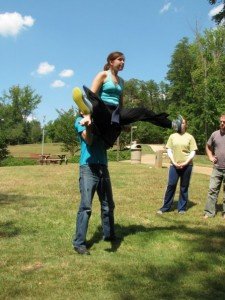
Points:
(55, 159)
(43, 157)
(49, 159)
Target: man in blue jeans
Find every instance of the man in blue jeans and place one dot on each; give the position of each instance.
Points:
(94, 176)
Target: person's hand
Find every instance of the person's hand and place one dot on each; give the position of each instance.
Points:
(176, 165)
(182, 165)
(214, 159)
(86, 121)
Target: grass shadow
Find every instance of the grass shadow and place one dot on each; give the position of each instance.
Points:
(121, 233)
(190, 204)
(175, 274)
(8, 230)
(219, 208)
(6, 199)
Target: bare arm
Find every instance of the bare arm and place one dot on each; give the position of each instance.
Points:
(87, 135)
(98, 81)
(95, 87)
(210, 154)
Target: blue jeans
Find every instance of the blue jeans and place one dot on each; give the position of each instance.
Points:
(216, 180)
(94, 178)
(174, 175)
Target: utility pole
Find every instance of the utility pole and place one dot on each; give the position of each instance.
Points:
(118, 149)
(43, 136)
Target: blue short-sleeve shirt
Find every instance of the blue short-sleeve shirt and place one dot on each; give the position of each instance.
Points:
(91, 154)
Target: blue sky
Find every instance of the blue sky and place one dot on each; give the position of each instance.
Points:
(54, 45)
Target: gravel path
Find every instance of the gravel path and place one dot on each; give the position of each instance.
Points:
(150, 159)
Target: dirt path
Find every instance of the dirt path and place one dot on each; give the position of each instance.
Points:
(150, 159)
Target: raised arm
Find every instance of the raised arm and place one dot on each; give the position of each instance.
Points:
(87, 135)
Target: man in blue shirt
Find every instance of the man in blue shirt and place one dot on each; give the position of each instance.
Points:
(94, 176)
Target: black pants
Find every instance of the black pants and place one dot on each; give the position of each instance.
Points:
(104, 125)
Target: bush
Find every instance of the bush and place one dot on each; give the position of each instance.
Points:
(112, 156)
(123, 155)
(3, 148)
(16, 161)
(74, 159)
(19, 161)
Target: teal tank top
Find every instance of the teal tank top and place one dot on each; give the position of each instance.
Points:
(110, 91)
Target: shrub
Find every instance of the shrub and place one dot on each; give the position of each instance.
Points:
(17, 161)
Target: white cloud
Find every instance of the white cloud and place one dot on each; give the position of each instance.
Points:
(58, 84)
(216, 10)
(66, 73)
(12, 23)
(45, 68)
(165, 8)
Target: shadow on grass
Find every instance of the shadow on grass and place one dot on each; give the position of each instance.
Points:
(11, 198)
(197, 274)
(219, 208)
(124, 231)
(190, 204)
(8, 230)
(97, 237)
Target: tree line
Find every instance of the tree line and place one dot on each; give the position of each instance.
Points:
(194, 87)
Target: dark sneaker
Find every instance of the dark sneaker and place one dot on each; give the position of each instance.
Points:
(176, 124)
(82, 250)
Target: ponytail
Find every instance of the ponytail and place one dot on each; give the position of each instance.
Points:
(112, 56)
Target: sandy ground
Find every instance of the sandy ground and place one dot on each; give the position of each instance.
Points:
(150, 159)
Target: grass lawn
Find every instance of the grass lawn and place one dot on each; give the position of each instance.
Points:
(55, 148)
(25, 150)
(159, 257)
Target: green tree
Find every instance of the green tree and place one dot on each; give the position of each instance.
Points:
(180, 93)
(148, 94)
(3, 145)
(65, 132)
(196, 78)
(16, 106)
(209, 80)
(219, 18)
(35, 132)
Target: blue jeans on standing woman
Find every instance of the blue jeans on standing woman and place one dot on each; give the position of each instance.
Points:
(174, 175)
(94, 178)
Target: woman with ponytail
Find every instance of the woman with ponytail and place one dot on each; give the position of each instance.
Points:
(106, 113)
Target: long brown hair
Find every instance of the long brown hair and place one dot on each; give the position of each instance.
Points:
(112, 56)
